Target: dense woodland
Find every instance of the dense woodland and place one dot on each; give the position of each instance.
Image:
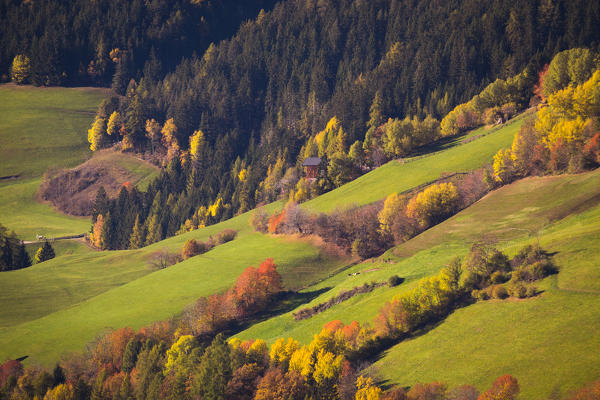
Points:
(357, 83)
(107, 41)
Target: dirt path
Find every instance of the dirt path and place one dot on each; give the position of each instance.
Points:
(71, 237)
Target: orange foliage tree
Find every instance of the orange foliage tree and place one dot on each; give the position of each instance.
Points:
(505, 387)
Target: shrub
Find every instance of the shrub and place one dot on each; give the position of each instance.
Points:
(394, 280)
(499, 292)
(498, 277)
(480, 294)
(190, 249)
(260, 220)
(226, 236)
(518, 289)
(531, 290)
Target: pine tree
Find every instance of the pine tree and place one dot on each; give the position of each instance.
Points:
(101, 204)
(154, 230)
(44, 253)
(21, 258)
(138, 235)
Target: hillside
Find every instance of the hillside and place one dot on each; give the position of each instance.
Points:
(90, 287)
(45, 128)
(461, 155)
(475, 342)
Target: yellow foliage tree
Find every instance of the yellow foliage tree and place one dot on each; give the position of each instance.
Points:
(114, 124)
(97, 134)
(302, 361)
(177, 353)
(282, 350)
(197, 143)
(503, 166)
(153, 131)
(366, 389)
(96, 235)
(434, 204)
(63, 391)
(393, 205)
(568, 114)
(20, 69)
(327, 370)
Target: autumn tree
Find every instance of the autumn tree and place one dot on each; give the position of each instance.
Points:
(114, 125)
(394, 204)
(505, 387)
(191, 248)
(434, 204)
(21, 69)
(97, 134)
(197, 144)
(169, 138)
(153, 132)
(366, 389)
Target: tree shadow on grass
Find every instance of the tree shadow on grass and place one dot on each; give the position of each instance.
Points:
(284, 303)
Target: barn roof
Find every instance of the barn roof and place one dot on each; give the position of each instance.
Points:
(311, 161)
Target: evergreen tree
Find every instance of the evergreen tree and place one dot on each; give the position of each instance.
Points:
(214, 371)
(137, 238)
(44, 253)
(21, 258)
(154, 230)
(101, 204)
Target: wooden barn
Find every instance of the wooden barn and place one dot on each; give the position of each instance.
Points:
(311, 167)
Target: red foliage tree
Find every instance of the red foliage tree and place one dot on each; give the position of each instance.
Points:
(11, 368)
(537, 88)
(505, 387)
(275, 221)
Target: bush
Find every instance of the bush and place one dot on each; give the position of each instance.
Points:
(226, 236)
(499, 292)
(260, 220)
(190, 249)
(498, 277)
(531, 290)
(394, 280)
(518, 290)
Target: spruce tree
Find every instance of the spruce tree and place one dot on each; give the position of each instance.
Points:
(138, 235)
(44, 253)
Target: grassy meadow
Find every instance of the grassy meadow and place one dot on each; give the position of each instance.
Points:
(58, 306)
(43, 128)
(527, 338)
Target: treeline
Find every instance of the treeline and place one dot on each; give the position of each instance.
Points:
(109, 42)
(249, 110)
(369, 230)
(178, 360)
(565, 133)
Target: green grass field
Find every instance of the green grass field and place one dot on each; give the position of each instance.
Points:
(86, 283)
(43, 128)
(58, 306)
(399, 177)
(530, 339)
(62, 304)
